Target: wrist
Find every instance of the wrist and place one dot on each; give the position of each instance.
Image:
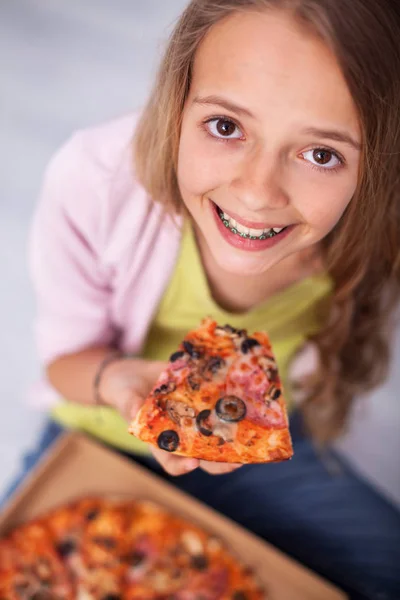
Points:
(99, 392)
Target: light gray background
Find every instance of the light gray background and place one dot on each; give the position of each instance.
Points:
(70, 64)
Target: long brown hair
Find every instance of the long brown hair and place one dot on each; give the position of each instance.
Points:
(362, 253)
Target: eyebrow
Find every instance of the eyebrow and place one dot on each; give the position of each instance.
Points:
(334, 135)
(224, 103)
(337, 136)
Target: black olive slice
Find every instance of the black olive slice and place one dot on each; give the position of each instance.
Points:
(239, 596)
(229, 329)
(92, 514)
(66, 548)
(191, 350)
(275, 394)
(199, 562)
(248, 344)
(232, 331)
(106, 542)
(168, 440)
(176, 355)
(165, 388)
(112, 597)
(203, 425)
(230, 409)
(135, 558)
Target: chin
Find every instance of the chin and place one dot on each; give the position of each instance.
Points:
(242, 265)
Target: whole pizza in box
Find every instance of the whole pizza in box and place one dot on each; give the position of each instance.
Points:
(98, 549)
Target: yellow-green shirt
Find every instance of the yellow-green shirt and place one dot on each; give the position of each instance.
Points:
(289, 317)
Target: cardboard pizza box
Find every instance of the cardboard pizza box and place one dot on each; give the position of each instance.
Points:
(76, 466)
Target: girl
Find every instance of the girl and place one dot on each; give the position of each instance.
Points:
(263, 190)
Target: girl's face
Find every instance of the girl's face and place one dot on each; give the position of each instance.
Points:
(270, 142)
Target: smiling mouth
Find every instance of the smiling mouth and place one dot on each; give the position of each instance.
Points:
(247, 232)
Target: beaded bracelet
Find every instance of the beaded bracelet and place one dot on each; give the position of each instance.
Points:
(110, 358)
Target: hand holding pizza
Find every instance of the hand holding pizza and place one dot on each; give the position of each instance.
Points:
(125, 385)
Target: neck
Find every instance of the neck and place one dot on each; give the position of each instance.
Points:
(240, 294)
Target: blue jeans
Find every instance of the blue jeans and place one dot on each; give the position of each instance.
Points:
(327, 518)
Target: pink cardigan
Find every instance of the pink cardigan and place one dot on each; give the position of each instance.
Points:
(101, 251)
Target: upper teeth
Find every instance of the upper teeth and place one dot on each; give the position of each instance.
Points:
(248, 231)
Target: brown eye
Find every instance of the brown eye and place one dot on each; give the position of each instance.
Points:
(222, 128)
(322, 157)
(225, 128)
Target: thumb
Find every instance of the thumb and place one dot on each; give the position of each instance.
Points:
(129, 403)
(133, 398)
(153, 369)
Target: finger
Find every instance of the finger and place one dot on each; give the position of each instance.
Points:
(149, 375)
(174, 465)
(216, 468)
(153, 368)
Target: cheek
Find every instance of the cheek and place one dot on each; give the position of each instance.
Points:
(323, 204)
(198, 172)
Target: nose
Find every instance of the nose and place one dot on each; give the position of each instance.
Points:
(259, 183)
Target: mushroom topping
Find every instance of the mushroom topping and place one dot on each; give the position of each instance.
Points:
(230, 409)
(225, 432)
(194, 381)
(213, 365)
(43, 570)
(272, 374)
(192, 542)
(21, 586)
(168, 440)
(179, 410)
(203, 422)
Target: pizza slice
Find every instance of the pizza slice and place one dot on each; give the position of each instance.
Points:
(220, 399)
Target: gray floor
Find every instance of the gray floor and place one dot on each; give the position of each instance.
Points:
(65, 65)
